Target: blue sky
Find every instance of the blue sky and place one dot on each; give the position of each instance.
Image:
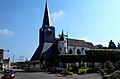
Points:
(96, 21)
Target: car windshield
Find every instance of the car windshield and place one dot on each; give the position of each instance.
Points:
(8, 71)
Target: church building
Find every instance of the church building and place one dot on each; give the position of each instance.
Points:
(50, 47)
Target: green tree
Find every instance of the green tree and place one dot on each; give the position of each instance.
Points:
(117, 65)
(118, 45)
(99, 46)
(112, 45)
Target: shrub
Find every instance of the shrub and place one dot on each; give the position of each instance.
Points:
(109, 66)
(66, 72)
(82, 70)
(117, 65)
(75, 70)
(115, 75)
(92, 71)
(70, 68)
(102, 72)
(98, 68)
(106, 77)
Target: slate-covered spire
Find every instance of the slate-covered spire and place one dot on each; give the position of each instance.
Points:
(62, 36)
(46, 19)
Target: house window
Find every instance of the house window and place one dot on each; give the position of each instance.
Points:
(70, 51)
(78, 51)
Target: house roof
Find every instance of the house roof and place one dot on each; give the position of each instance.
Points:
(40, 50)
(52, 51)
(36, 55)
(80, 43)
(46, 47)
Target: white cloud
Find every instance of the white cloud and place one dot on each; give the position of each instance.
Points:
(5, 33)
(56, 15)
(85, 39)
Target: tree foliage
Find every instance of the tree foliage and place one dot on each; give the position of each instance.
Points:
(112, 45)
(103, 55)
(118, 46)
(109, 66)
(70, 58)
(117, 65)
(99, 46)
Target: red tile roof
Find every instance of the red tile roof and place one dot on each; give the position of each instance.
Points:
(80, 43)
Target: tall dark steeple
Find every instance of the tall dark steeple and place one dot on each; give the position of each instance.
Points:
(46, 19)
(47, 31)
(46, 35)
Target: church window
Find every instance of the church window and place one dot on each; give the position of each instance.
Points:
(65, 50)
(78, 51)
(48, 29)
(70, 51)
(60, 49)
(82, 49)
(85, 50)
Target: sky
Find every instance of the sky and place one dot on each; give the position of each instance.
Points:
(95, 21)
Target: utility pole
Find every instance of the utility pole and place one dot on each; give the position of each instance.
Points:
(13, 58)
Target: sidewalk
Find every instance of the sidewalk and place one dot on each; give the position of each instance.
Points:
(0, 75)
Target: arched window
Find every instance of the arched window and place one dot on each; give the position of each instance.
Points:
(78, 51)
(82, 49)
(65, 49)
(70, 51)
(60, 49)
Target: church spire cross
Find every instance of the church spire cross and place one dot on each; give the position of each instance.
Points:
(46, 19)
(62, 36)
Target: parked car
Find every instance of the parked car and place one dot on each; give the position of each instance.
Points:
(8, 74)
(56, 70)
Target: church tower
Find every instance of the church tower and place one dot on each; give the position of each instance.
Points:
(46, 35)
(47, 31)
(62, 44)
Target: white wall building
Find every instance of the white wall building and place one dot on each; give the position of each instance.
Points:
(73, 46)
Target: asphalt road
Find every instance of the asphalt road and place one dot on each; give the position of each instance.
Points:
(42, 75)
(39, 75)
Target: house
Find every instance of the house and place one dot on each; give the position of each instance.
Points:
(6, 63)
(1, 59)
